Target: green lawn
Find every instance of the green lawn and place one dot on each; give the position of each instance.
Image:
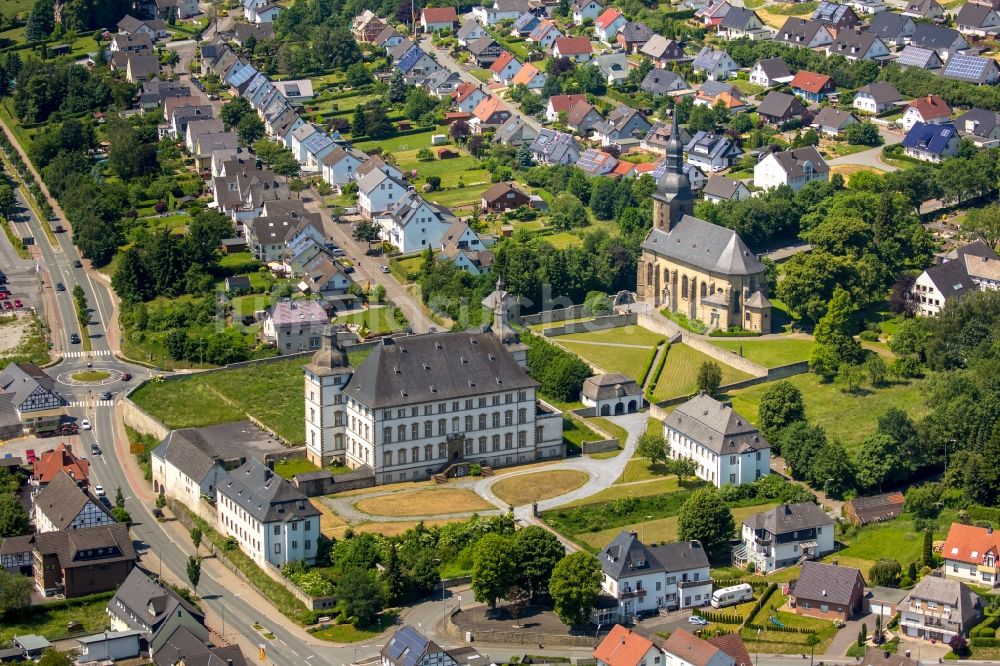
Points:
(378, 321)
(846, 417)
(770, 353)
(644, 489)
(459, 196)
(483, 75)
(286, 469)
(627, 360)
(680, 372)
(895, 538)
(51, 623)
(626, 335)
(400, 144)
(747, 88)
(795, 8)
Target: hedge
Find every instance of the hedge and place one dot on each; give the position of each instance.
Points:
(647, 367)
(761, 601)
(774, 627)
(985, 642)
(719, 333)
(658, 371)
(412, 130)
(730, 582)
(978, 512)
(720, 618)
(987, 628)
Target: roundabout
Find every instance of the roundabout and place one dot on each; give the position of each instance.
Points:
(90, 377)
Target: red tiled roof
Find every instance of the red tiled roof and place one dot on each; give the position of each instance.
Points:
(525, 74)
(688, 647)
(732, 645)
(439, 15)
(810, 81)
(622, 647)
(964, 540)
(61, 458)
(573, 45)
(931, 106)
(501, 62)
(622, 169)
(645, 167)
(562, 103)
(607, 18)
(487, 108)
(464, 90)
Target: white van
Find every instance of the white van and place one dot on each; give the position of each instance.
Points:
(729, 596)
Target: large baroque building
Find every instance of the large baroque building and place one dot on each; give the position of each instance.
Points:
(420, 404)
(696, 268)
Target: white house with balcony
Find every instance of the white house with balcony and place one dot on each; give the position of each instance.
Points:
(938, 609)
(794, 168)
(727, 449)
(784, 536)
(642, 578)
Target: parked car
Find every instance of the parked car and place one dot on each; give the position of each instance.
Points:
(99, 491)
(18, 303)
(95, 450)
(4, 293)
(697, 619)
(105, 500)
(30, 456)
(7, 305)
(84, 424)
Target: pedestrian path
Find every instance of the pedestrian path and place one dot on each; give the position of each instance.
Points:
(80, 354)
(96, 403)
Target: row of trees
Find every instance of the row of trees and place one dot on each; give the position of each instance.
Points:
(559, 373)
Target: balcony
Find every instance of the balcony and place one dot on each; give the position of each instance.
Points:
(632, 594)
(694, 583)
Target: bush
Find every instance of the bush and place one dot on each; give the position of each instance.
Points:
(868, 336)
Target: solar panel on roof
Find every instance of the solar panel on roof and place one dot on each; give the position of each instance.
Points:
(913, 56)
(965, 67)
(406, 647)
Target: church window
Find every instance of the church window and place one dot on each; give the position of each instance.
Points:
(704, 290)
(650, 269)
(684, 287)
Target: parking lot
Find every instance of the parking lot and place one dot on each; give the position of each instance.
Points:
(22, 285)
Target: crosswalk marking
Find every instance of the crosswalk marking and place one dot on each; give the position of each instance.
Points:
(80, 354)
(96, 403)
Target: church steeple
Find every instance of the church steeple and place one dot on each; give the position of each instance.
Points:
(673, 198)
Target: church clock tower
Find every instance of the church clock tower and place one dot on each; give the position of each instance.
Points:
(673, 198)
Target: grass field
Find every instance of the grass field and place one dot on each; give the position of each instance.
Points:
(427, 502)
(826, 405)
(625, 335)
(872, 543)
(638, 469)
(770, 353)
(273, 397)
(611, 358)
(51, 623)
(286, 469)
(575, 433)
(680, 372)
(662, 529)
(527, 488)
(379, 321)
(642, 489)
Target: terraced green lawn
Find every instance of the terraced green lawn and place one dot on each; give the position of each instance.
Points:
(771, 353)
(611, 358)
(680, 372)
(625, 335)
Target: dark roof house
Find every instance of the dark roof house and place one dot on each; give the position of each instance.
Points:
(828, 590)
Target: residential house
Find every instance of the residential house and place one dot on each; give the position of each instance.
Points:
(242, 32)
(502, 197)
(183, 648)
(467, 96)
(662, 51)
(925, 9)
(470, 32)
(237, 284)
(434, 19)
(145, 605)
(833, 121)
(867, 7)
(715, 65)
(739, 22)
(153, 28)
(828, 591)
(545, 34)
(929, 110)
(505, 67)
(485, 51)
(186, 467)
(196, 128)
(155, 92)
(972, 267)
(524, 24)
(108, 646)
(390, 38)
(892, 28)
(586, 10)
(177, 9)
(552, 147)
(945, 41)
(322, 276)
(340, 165)
(31, 394)
(242, 189)
(75, 563)
(658, 137)
(633, 36)
(794, 168)
(294, 326)
(377, 191)
(660, 82)
(141, 67)
(474, 262)
(366, 26)
(613, 66)
(463, 247)
(786, 535)
(712, 93)
(491, 112)
(712, 152)
(594, 162)
(413, 224)
(606, 25)
(515, 132)
(727, 449)
(577, 49)
(977, 70)
(920, 58)
(938, 609)
(408, 647)
(980, 126)
(972, 554)
(685, 649)
(624, 647)
(712, 12)
(415, 63)
(720, 188)
(60, 460)
(856, 44)
(778, 107)
(877, 97)
(181, 116)
(500, 10)
(836, 16)
(643, 578)
(803, 33)
(770, 72)
(874, 508)
(63, 505)
(135, 42)
(442, 84)
(582, 117)
(811, 86)
(623, 127)
(272, 522)
(561, 104)
(978, 20)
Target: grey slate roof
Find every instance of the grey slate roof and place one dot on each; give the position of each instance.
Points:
(148, 601)
(973, 14)
(662, 81)
(951, 279)
(62, 500)
(882, 93)
(467, 29)
(635, 31)
(626, 555)
(70, 546)
(738, 17)
(786, 518)
(265, 495)
(951, 593)
(827, 582)
(715, 425)
(21, 379)
(708, 58)
(704, 245)
(793, 161)
(936, 37)
(890, 25)
(721, 187)
(194, 450)
(436, 366)
(831, 117)
(602, 387)
(982, 122)
(711, 145)
(778, 104)
(775, 68)
(852, 42)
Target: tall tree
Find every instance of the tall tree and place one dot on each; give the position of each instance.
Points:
(15, 591)
(13, 518)
(780, 406)
(536, 552)
(392, 576)
(194, 571)
(41, 21)
(492, 568)
(880, 459)
(709, 377)
(575, 586)
(706, 518)
(360, 595)
(250, 128)
(653, 446)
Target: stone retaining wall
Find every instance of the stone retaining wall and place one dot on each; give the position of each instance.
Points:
(139, 420)
(547, 316)
(600, 446)
(596, 324)
(658, 411)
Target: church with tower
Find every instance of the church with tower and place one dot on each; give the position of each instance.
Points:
(421, 405)
(693, 267)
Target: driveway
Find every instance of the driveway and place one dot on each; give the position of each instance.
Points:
(873, 156)
(848, 636)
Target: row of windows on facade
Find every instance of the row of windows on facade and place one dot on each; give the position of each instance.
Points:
(442, 449)
(699, 449)
(256, 545)
(429, 408)
(417, 474)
